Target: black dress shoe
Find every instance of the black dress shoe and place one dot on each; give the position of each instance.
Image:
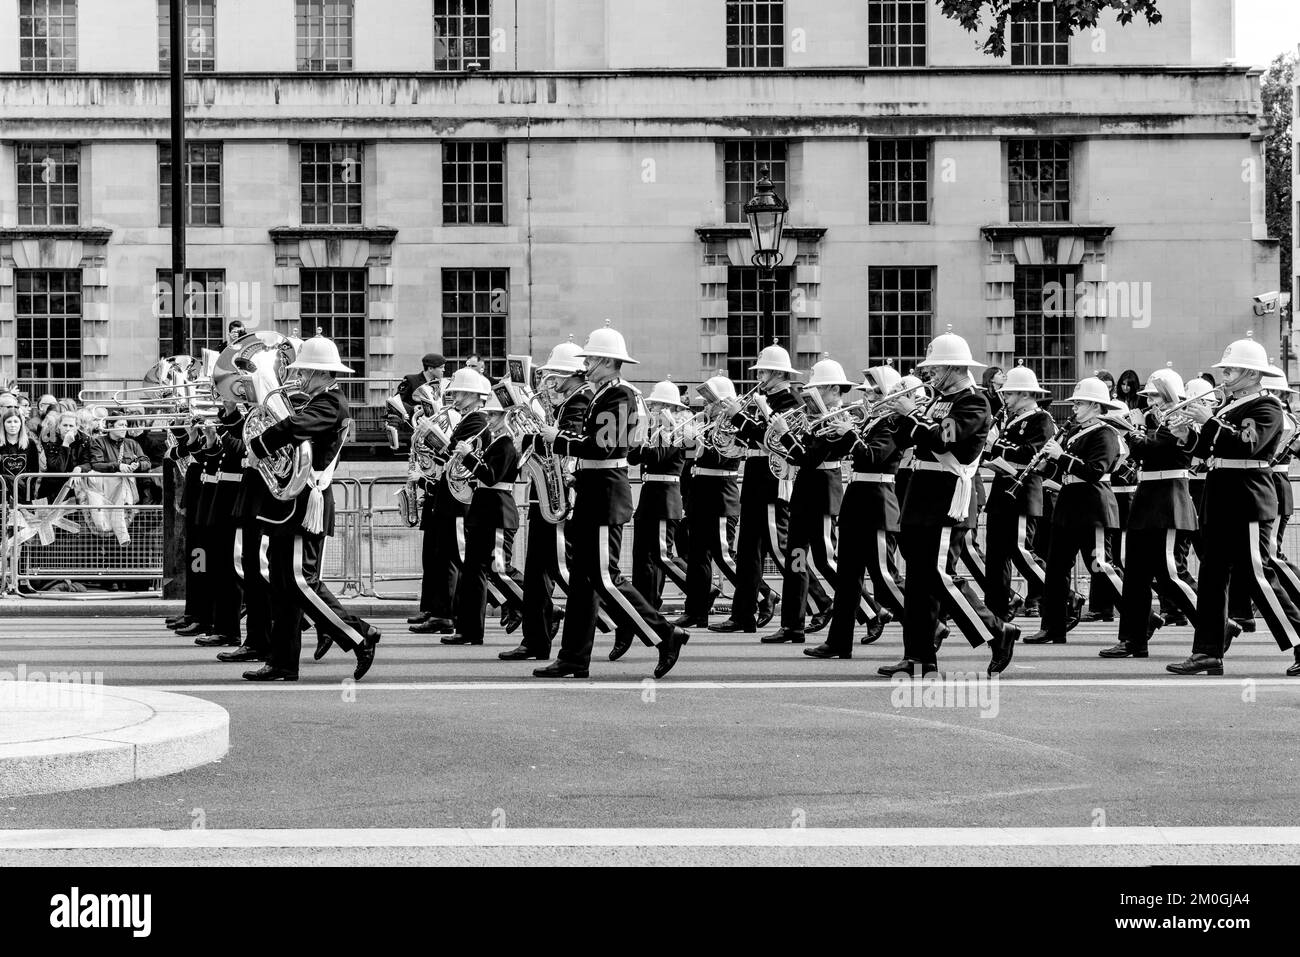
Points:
(434, 626)
(216, 641)
(1197, 664)
(1247, 624)
(192, 629)
(906, 667)
(1122, 650)
(876, 627)
(1293, 670)
(669, 650)
(783, 635)
(365, 653)
(323, 644)
(824, 650)
(1074, 613)
(267, 673)
(1176, 620)
(560, 669)
(522, 653)
(459, 639)
(511, 621)
(1031, 608)
(730, 625)
(418, 617)
(1003, 648)
(1097, 616)
(1154, 624)
(1045, 638)
(691, 621)
(1015, 607)
(818, 621)
(242, 653)
(940, 636)
(181, 622)
(621, 645)
(1230, 631)
(766, 611)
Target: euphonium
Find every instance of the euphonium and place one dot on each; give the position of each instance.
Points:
(459, 478)
(263, 358)
(723, 432)
(543, 468)
(796, 420)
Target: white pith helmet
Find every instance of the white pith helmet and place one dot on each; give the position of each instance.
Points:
(910, 383)
(606, 343)
(667, 393)
(949, 349)
(565, 358)
(467, 380)
(319, 353)
(1245, 354)
(773, 358)
(884, 378)
(1169, 376)
(1198, 388)
(1022, 379)
(828, 372)
(1276, 383)
(1093, 389)
(721, 386)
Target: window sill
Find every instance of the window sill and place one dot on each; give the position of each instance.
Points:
(1017, 230)
(381, 234)
(85, 234)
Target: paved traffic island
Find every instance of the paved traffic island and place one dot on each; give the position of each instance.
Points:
(61, 735)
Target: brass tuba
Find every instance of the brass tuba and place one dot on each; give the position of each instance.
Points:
(429, 443)
(254, 370)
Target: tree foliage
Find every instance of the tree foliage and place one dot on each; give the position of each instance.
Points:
(1077, 14)
(1276, 93)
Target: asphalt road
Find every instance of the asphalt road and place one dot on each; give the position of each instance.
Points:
(740, 735)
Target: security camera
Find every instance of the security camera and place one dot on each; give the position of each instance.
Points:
(1266, 302)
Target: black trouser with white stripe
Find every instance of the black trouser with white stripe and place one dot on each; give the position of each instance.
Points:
(812, 543)
(295, 580)
(761, 533)
(442, 554)
(653, 559)
(1152, 554)
(1007, 538)
(593, 580)
(252, 563)
(487, 558)
(963, 550)
(1232, 550)
(930, 589)
(1067, 543)
(862, 551)
(545, 566)
(223, 582)
(708, 546)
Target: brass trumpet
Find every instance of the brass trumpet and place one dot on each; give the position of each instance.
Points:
(823, 426)
(1173, 416)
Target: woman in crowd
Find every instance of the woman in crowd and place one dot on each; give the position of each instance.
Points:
(1129, 391)
(19, 454)
(65, 450)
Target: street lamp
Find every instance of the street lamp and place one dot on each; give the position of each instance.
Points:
(765, 212)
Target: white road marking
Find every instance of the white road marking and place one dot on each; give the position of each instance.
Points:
(134, 838)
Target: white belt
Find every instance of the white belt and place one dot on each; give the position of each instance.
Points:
(668, 478)
(499, 487)
(207, 479)
(721, 473)
(1073, 479)
(1145, 476)
(230, 476)
(1237, 464)
(1282, 469)
(755, 453)
(830, 466)
(602, 463)
(921, 465)
(879, 478)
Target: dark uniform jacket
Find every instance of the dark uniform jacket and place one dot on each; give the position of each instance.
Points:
(871, 505)
(716, 496)
(759, 479)
(1090, 455)
(1249, 429)
(569, 416)
(1282, 465)
(1160, 503)
(817, 491)
(1023, 436)
(603, 495)
(957, 423)
(223, 494)
(660, 500)
(441, 500)
(322, 421)
(406, 389)
(497, 464)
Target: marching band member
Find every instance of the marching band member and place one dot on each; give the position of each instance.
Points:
(252, 560)
(1123, 484)
(1238, 441)
(764, 513)
(564, 378)
(443, 521)
(1161, 514)
(814, 506)
(602, 505)
(491, 517)
(298, 528)
(659, 508)
(190, 453)
(948, 438)
(868, 518)
(1015, 502)
(1085, 507)
(715, 501)
(1288, 574)
(221, 478)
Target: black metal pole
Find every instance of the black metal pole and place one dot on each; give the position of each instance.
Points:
(174, 547)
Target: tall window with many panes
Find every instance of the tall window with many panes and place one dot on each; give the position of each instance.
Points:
(896, 33)
(333, 301)
(900, 314)
(1039, 37)
(756, 33)
(741, 161)
(47, 314)
(748, 329)
(324, 35)
(205, 309)
(200, 35)
(202, 184)
(49, 184)
(1038, 181)
(473, 182)
(1045, 331)
(476, 317)
(330, 175)
(462, 34)
(898, 188)
(47, 36)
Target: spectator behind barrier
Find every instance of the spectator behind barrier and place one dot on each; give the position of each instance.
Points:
(19, 454)
(115, 451)
(431, 372)
(65, 450)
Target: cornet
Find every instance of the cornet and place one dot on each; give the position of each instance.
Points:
(823, 426)
(1173, 416)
